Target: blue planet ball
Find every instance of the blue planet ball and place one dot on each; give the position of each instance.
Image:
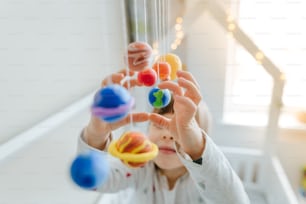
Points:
(159, 98)
(112, 96)
(89, 170)
(112, 103)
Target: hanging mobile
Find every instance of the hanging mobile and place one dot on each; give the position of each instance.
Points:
(133, 148)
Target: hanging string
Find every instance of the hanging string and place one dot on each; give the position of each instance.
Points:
(136, 21)
(125, 43)
(168, 23)
(106, 50)
(164, 27)
(156, 28)
(157, 39)
(160, 29)
(162, 19)
(145, 21)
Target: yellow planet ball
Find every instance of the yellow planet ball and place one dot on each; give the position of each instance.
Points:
(174, 61)
(304, 184)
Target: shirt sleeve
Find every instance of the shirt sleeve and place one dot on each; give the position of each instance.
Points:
(215, 178)
(120, 176)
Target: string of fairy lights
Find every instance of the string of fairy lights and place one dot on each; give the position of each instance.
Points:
(179, 33)
(232, 28)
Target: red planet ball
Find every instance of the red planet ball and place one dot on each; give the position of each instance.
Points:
(147, 77)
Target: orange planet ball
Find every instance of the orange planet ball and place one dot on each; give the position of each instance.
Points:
(174, 61)
(139, 55)
(136, 143)
(163, 69)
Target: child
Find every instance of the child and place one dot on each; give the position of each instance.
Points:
(189, 168)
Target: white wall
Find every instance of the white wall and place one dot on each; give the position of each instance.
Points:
(205, 53)
(51, 54)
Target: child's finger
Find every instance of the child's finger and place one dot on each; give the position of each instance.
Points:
(159, 120)
(116, 78)
(174, 87)
(136, 117)
(126, 72)
(184, 106)
(188, 85)
(131, 83)
(192, 91)
(112, 79)
(188, 76)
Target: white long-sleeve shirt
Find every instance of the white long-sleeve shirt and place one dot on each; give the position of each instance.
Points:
(212, 182)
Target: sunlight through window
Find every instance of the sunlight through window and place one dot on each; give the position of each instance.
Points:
(278, 29)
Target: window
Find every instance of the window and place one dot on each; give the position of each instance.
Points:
(277, 27)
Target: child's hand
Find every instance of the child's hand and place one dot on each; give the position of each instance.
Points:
(183, 125)
(118, 78)
(97, 131)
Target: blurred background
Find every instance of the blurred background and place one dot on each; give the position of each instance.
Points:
(248, 57)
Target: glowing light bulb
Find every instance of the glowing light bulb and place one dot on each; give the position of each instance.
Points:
(259, 55)
(282, 77)
(231, 26)
(179, 20)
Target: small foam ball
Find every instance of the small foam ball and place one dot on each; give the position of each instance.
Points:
(112, 103)
(174, 61)
(133, 148)
(147, 77)
(163, 69)
(89, 170)
(139, 55)
(159, 98)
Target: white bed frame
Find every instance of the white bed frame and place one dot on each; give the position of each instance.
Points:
(262, 176)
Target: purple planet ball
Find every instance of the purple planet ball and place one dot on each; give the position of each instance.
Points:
(112, 103)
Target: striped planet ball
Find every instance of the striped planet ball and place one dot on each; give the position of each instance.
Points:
(133, 148)
(139, 55)
(112, 103)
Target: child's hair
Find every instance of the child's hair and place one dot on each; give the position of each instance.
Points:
(167, 109)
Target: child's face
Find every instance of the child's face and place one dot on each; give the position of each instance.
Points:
(167, 157)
